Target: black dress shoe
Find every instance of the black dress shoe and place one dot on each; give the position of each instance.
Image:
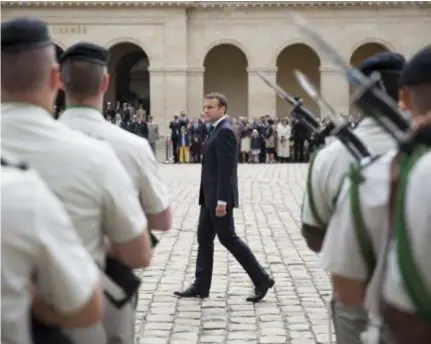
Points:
(260, 291)
(190, 292)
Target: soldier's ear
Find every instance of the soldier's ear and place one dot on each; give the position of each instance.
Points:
(54, 78)
(105, 82)
(404, 101)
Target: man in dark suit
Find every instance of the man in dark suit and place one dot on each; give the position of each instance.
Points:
(175, 133)
(218, 196)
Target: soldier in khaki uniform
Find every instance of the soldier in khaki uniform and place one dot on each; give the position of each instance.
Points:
(38, 238)
(325, 177)
(407, 281)
(84, 76)
(84, 173)
(356, 245)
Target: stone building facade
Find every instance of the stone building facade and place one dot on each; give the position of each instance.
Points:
(168, 54)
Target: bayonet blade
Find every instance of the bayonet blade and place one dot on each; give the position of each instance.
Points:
(354, 76)
(312, 91)
(280, 92)
(305, 116)
(357, 78)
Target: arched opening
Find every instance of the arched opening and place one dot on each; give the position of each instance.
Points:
(226, 72)
(130, 78)
(60, 101)
(297, 56)
(360, 55)
(365, 51)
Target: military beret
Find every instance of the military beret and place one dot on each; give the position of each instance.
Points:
(386, 61)
(418, 70)
(24, 33)
(84, 51)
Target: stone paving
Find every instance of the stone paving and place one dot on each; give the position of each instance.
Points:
(294, 310)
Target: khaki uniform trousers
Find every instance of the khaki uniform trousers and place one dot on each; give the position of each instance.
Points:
(117, 326)
(120, 323)
(349, 322)
(94, 334)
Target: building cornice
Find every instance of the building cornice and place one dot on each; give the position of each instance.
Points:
(210, 4)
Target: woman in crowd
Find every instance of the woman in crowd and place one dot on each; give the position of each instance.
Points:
(283, 144)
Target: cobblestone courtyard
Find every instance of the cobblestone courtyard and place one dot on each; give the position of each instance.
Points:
(294, 310)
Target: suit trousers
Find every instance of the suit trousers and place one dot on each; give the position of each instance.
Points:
(153, 147)
(298, 150)
(175, 150)
(209, 226)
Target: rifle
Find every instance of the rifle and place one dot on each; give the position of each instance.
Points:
(369, 98)
(342, 129)
(343, 132)
(120, 282)
(304, 115)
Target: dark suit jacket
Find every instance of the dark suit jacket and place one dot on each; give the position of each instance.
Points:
(299, 131)
(141, 129)
(219, 176)
(175, 130)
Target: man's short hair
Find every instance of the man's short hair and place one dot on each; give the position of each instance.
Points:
(389, 65)
(82, 79)
(25, 71)
(421, 99)
(416, 77)
(390, 82)
(221, 98)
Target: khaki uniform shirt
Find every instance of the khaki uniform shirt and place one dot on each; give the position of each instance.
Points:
(84, 173)
(38, 238)
(341, 253)
(134, 152)
(330, 166)
(418, 219)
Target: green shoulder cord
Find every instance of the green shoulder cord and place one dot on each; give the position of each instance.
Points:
(361, 232)
(410, 273)
(337, 194)
(311, 200)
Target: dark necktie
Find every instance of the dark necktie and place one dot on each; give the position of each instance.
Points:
(211, 131)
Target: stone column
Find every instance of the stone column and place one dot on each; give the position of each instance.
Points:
(334, 88)
(261, 98)
(157, 98)
(175, 91)
(195, 91)
(168, 95)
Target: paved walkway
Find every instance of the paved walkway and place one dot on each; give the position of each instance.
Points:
(293, 311)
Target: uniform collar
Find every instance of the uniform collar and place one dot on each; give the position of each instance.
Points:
(368, 124)
(216, 123)
(84, 112)
(31, 112)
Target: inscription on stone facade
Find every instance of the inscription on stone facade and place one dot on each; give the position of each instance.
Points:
(68, 29)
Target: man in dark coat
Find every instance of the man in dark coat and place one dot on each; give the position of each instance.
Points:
(218, 196)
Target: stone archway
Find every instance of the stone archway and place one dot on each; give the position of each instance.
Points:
(130, 78)
(60, 101)
(360, 55)
(365, 51)
(226, 72)
(302, 57)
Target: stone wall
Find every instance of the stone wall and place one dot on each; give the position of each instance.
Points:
(177, 39)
